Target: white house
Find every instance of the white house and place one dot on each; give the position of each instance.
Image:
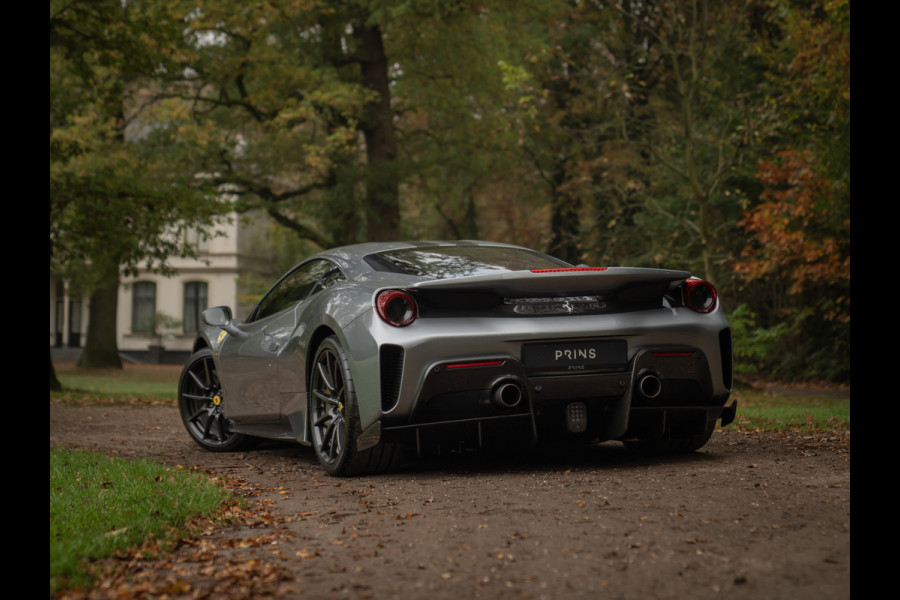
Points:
(212, 279)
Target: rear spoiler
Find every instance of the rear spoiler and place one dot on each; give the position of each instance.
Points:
(575, 281)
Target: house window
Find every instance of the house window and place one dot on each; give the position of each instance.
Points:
(195, 302)
(143, 306)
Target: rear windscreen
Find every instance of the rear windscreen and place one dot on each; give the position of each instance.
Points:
(460, 261)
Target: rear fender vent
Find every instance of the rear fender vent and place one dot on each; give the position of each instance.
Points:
(727, 357)
(391, 368)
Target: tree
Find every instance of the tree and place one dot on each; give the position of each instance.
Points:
(567, 111)
(459, 154)
(55, 385)
(800, 232)
(635, 115)
(616, 133)
(122, 188)
(337, 117)
(797, 255)
(698, 124)
(561, 110)
(291, 95)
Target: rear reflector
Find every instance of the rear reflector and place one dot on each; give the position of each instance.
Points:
(568, 269)
(486, 363)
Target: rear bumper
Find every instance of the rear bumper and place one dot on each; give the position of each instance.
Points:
(404, 383)
(490, 395)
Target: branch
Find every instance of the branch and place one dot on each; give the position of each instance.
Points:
(302, 230)
(448, 220)
(266, 193)
(687, 223)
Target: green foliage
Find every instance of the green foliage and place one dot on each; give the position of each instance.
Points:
(795, 264)
(124, 185)
(100, 506)
(281, 93)
(802, 347)
(638, 133)
(273, 250)
(755, 348)
(812, 59)
(457, 147)
(819, 351)
(692, 124)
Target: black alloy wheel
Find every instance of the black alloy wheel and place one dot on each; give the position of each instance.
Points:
(334, 420)
(201, 403)
(331, 402)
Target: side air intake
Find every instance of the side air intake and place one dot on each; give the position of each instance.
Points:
(391, 367)
(725, 349)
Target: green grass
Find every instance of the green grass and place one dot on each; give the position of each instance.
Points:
(768, 411)
(101, 505)
(131, 385)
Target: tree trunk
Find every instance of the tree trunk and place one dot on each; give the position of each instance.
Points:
(55, 385)
(382, 186)
(101, 349)
(565, 225)
(470, 219)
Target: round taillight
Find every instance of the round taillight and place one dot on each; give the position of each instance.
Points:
(396, 307)
(700, 296)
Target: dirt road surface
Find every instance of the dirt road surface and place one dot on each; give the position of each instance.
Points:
(751, 515)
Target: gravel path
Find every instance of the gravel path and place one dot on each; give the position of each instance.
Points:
(751, 515)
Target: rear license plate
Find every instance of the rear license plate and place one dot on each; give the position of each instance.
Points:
(575, 357)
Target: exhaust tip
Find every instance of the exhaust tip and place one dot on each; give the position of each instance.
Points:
(650, 386)
(506, 395)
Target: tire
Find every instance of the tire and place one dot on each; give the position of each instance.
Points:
(334, 418)
(201, 403)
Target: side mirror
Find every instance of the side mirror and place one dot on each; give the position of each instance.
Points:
(217, 316)
(220, 316)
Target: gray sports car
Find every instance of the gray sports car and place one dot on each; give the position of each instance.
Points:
(369, 350)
